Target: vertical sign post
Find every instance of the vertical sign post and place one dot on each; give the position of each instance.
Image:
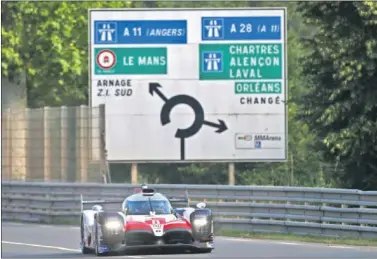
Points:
(191, 85)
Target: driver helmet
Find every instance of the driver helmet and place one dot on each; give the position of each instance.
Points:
(159, 206)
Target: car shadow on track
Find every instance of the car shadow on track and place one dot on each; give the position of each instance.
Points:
(170, 251)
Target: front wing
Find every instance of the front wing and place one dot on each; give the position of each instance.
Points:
(145, 240)
(104, 248)
(193, 246)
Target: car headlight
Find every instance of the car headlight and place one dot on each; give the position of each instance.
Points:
(200, 222)
(113, 225)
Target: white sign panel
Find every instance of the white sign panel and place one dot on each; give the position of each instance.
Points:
(182, 85)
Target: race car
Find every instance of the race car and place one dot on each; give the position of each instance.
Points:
(145, 220)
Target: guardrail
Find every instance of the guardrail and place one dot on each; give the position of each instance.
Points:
(297, 210)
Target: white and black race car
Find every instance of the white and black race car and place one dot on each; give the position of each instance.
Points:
(145, 220)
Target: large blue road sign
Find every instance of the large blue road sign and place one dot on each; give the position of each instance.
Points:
(241, 28)
(141, 32)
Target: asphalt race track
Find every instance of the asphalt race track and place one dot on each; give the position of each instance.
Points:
(43, 241)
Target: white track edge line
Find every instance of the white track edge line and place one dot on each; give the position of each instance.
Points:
(41, 246)
(53, 247)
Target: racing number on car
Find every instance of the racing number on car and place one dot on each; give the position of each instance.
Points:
(155, 222)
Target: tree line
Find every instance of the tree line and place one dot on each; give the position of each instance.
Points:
(332, 61)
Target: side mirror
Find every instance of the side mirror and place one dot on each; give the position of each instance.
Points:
(201, 205)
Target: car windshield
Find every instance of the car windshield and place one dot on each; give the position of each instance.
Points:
(146, 206)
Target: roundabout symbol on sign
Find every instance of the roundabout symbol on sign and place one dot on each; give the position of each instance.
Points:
(198, 122)
(106, 59)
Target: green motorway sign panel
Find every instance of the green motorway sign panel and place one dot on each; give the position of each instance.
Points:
(240, 61)
(130, 61)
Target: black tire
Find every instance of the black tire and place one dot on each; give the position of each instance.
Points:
(96, 252)
(84, 249)
(204, 250)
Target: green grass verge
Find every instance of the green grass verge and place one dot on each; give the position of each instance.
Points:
(300, 238)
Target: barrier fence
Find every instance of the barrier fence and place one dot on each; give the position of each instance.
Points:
(53, 144)
(297, 210)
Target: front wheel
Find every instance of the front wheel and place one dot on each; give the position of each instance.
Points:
(204, 250)
(96, 239)
(84, 249)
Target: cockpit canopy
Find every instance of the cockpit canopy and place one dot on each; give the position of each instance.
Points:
(139, 204)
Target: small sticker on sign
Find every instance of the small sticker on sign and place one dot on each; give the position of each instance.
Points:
(259, 141)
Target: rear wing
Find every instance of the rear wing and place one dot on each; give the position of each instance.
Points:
(97, 202)
(177, 201)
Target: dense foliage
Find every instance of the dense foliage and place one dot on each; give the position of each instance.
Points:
(332, 86)
(340, 68)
